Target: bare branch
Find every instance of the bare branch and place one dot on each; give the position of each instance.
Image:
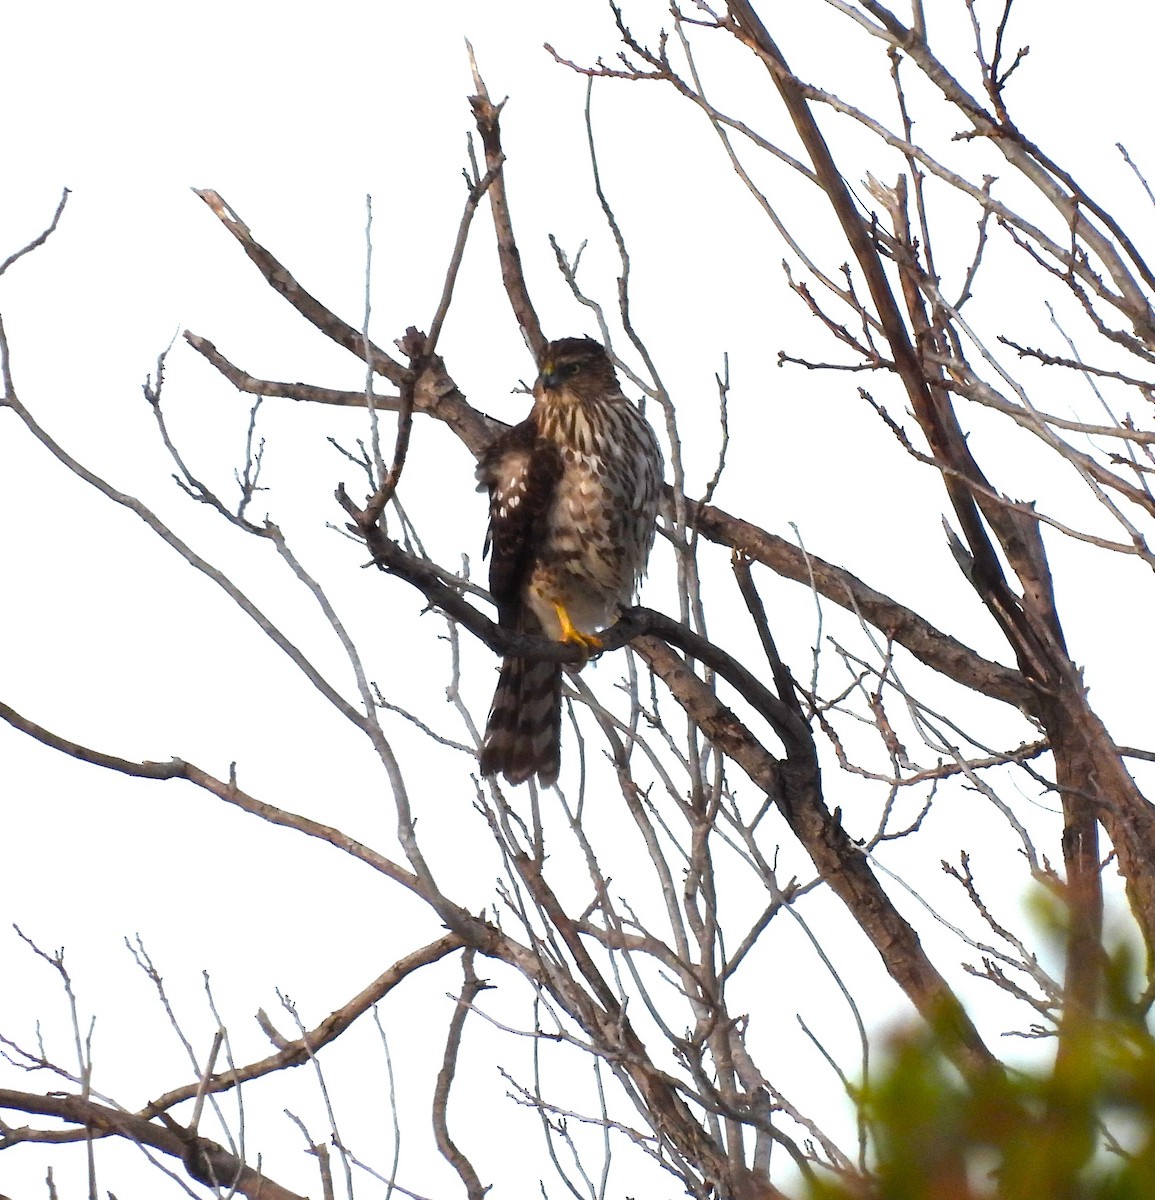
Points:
(282, 282)
(487, 115)
(41, 238)
(471, 989)
(204, 1161)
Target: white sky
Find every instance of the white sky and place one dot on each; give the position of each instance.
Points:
(108, 639)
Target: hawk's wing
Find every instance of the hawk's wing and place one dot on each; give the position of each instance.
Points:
(521, 472)
(523, 733)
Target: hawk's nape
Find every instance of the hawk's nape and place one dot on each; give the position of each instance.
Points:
(574, 495)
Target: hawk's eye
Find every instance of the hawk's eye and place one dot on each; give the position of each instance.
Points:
(567, 369)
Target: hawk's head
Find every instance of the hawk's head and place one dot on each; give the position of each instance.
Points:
(579, 367)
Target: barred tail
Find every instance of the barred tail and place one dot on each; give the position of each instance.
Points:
(523, 735)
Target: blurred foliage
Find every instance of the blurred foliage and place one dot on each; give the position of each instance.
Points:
(1081, 1129)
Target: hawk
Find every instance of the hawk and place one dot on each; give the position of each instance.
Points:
(573, 497)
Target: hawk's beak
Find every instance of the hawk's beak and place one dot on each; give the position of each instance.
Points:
(549, 376)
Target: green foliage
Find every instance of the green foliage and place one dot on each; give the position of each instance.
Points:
(1083, 1129)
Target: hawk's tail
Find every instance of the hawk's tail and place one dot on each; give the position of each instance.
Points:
(523, 734)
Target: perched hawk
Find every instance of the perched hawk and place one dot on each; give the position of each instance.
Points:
(573, 496)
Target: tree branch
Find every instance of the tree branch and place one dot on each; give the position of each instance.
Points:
(471, 989)
(487, 115)
(795, 787)
(204, 1160)
(282, 282)
(929, 645)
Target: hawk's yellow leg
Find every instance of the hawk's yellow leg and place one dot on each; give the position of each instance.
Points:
(572, 635)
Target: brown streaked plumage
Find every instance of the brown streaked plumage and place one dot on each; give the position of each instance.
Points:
(573, 497)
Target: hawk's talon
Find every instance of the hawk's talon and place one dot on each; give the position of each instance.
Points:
(572, 636)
